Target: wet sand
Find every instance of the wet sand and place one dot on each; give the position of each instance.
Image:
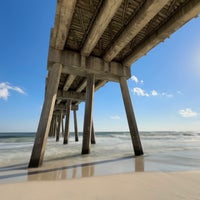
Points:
(78, 166)
(145, 185)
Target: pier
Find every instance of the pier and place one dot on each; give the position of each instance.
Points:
(94, 42)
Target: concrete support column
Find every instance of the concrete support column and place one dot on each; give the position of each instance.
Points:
(59, 117)
(93, 141)
(66, 134)
(131, 117)
(75, 126)
(51, 127)
(62, 132)
(46, 116)
(88, 114)
(55, 125)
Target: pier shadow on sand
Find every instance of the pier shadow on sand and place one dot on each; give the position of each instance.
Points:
(20, 172)
(70, 168)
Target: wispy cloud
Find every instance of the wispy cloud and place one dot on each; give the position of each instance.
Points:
(166, 94)
(187, 112)
(5, 88)
(154, 93)
(140, 92)
(115, 117)
(179, 92)
(136, 80)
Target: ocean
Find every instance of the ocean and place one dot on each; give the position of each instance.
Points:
(112, 153)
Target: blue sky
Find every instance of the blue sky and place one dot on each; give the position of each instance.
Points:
(164, 87)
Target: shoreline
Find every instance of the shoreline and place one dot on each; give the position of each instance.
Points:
(168, 175)
(78, 166)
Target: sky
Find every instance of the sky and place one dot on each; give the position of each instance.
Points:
(164, 85)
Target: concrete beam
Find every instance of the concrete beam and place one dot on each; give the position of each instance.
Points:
(68, 82)
(58, 101)
(64, 13)
(57, 112)
(147, 12)
(183, 15)
(104, 17)
(99, 85)
(62, 95)
(82, 86)
(73, 63)
(62, 107)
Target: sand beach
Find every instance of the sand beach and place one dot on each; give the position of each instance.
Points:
(145, 185)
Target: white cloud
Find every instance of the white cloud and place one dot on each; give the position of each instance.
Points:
(187, 112)
(4, 93)
(154, 93)
(17, 89)
(134, 78)
(5, 87)
(140, 92)
(166, 94)
(115, 117)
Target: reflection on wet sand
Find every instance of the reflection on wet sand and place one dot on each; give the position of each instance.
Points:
(78, 166)
(139, 164)
(104, 167)
(88, 171)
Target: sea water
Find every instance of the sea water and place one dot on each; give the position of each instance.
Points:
(16, 147)
(112, 154)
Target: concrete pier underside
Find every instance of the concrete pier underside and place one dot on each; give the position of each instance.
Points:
(92, 43)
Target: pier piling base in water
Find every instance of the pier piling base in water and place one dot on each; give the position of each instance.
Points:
(88, 114)
(66, 134)
(46, 116)
(75, 127)
(131, 118)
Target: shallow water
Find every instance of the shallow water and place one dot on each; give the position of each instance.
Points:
(113, 153)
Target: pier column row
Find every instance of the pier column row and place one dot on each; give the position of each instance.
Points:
(64, 129)
(46, 116)
(88, 129)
